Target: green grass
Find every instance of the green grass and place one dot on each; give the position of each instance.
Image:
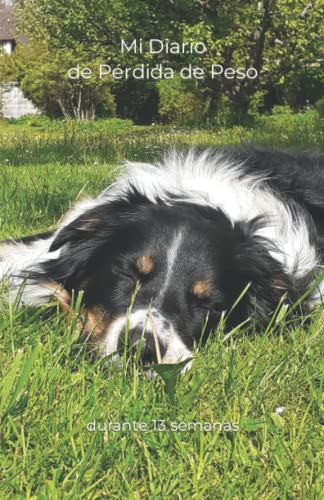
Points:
(51, 388)
(39, 141)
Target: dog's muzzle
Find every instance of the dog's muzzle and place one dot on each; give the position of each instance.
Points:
(147, 333)
(142, 342)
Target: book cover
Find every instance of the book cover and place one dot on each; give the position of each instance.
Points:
(161, 248)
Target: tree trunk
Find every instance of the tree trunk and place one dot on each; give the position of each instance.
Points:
(63, 108)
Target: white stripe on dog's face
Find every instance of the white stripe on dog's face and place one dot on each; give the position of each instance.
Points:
(148, 321)
(171, 258)
(151, 321)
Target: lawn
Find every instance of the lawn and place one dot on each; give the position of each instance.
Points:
(243, 423)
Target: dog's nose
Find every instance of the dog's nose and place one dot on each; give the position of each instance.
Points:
(143, 341)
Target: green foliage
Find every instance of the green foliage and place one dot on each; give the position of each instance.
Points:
(51, 391)
(90, 27)
(137, 100)
(319, 105)
(43, 77)
(170, 374)
(37, 141)
(51, 387)
(280, 38)
(179, 102)
(281, 110)
(256, 104)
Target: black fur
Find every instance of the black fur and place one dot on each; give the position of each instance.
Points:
(98, 250)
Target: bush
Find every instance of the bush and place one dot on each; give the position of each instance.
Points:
(281, 110)
(179, 103)
(43, 77)
(319, 106)
(137, 100)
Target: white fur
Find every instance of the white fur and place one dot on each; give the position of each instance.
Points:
(211, 179)
(205, 179)
(152, 319)
(171, 258)
(147, 320)
(16, 257)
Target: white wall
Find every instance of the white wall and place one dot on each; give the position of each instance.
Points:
(15, 104)
(7, 46)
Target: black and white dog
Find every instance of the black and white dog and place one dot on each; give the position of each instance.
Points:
(194, 231)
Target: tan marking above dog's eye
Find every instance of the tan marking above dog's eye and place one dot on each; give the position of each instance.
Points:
(145, 264)
(202, 288)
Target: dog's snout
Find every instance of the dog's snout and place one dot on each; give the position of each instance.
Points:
(143, 342)
(136, 335)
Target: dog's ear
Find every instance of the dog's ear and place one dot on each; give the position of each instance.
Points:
(88, 225)
(89, 237)
(101, 221)
(80, 242)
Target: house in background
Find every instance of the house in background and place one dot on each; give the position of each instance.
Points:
(13, 103)
(7, 30)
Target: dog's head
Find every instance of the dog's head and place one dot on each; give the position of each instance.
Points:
(191, 265)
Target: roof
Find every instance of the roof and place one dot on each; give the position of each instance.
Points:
(7, 29)
(7, 25)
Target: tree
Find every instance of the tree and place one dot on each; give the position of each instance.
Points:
(280, 38)
(42, 75)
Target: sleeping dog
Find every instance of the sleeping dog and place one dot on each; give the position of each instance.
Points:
(195, 231)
